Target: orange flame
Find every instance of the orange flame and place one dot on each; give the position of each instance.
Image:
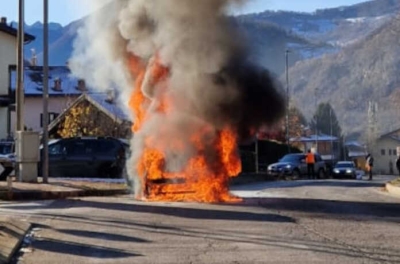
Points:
(203, 178)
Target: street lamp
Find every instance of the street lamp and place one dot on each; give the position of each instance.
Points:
(287, 99)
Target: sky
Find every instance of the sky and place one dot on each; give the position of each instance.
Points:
(66, 11)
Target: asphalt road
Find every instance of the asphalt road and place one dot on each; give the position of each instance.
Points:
(278, 222)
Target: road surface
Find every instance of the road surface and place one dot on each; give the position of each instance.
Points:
(327, 221)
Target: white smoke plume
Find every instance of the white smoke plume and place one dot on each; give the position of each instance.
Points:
(210, 80)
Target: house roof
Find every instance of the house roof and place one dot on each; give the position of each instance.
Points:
(33, 81)
(4, 27)
(100, 101)
(394, 134)
(312, 138)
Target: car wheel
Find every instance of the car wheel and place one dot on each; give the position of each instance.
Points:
(296, 174)
(321, 174)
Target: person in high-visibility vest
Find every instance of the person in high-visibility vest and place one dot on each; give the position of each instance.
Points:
(310, 160)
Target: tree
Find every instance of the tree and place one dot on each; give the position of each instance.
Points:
(297, 122)
(325, 121)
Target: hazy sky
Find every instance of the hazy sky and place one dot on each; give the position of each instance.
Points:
(65, 11)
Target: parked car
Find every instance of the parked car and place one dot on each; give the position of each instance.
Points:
(7, 147)
(7, 158)
(99, 157)
(295, 165)
(344, 169)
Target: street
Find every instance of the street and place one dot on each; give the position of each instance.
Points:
(327, 221)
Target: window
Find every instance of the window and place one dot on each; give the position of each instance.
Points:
(51, 118)
(394, 152)
(78, 148)
(104, 146)
(56, 149)
(390, 152)
(382, 152)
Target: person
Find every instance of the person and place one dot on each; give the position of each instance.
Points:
(310, 160)
(370, 165)
(398, 164)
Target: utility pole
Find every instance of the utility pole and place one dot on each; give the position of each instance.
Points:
(19, 93)
(45, 121)
(26, 142)
(330, 121)
(316, 120)
(256, 152)
(287, 100)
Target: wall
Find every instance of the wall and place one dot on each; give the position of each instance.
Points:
(33, 108)
(381, 161)
(7, 56)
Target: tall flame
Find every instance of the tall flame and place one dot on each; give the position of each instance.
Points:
(184, 72)
(199, 180)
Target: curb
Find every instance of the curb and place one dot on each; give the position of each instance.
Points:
(12, 234)
(392, 189)
(49, 195)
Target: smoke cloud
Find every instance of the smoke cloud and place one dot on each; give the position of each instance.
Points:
(211, 83)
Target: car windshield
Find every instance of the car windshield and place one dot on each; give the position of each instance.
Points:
(5, 148)
(290, 158)
(345, 165)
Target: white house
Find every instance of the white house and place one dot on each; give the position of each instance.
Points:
(385, 152)
(64, 89)
(8, 44)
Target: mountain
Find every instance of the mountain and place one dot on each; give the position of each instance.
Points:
(347, 53)
(337, 26)
(365, 71)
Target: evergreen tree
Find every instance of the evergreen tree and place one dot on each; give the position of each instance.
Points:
(325, 121)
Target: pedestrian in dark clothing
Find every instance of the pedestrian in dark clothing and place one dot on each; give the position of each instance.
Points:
(398, 164)
(310, 160)
(370, 165)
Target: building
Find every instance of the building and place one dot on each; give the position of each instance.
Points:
(327, 146)
(385, 152)
(102, 117)
(8, 44)
(357, 153)
(64, 89)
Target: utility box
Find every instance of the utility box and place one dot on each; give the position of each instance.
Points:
(27, 155)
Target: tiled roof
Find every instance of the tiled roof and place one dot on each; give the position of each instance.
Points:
(33, 81)
(100, 101)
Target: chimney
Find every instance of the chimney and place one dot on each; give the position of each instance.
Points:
(57, 85)
(81, 85)
(33, 58)
(3, 20)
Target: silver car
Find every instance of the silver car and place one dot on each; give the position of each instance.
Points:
(345, 169)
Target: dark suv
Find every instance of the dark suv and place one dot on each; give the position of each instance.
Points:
(295, 165)
(86, 157)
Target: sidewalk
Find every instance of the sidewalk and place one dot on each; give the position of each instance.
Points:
(12, 233)
(60, 189)
(393, 187)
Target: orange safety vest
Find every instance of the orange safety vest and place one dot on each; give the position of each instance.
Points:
(310, 158)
